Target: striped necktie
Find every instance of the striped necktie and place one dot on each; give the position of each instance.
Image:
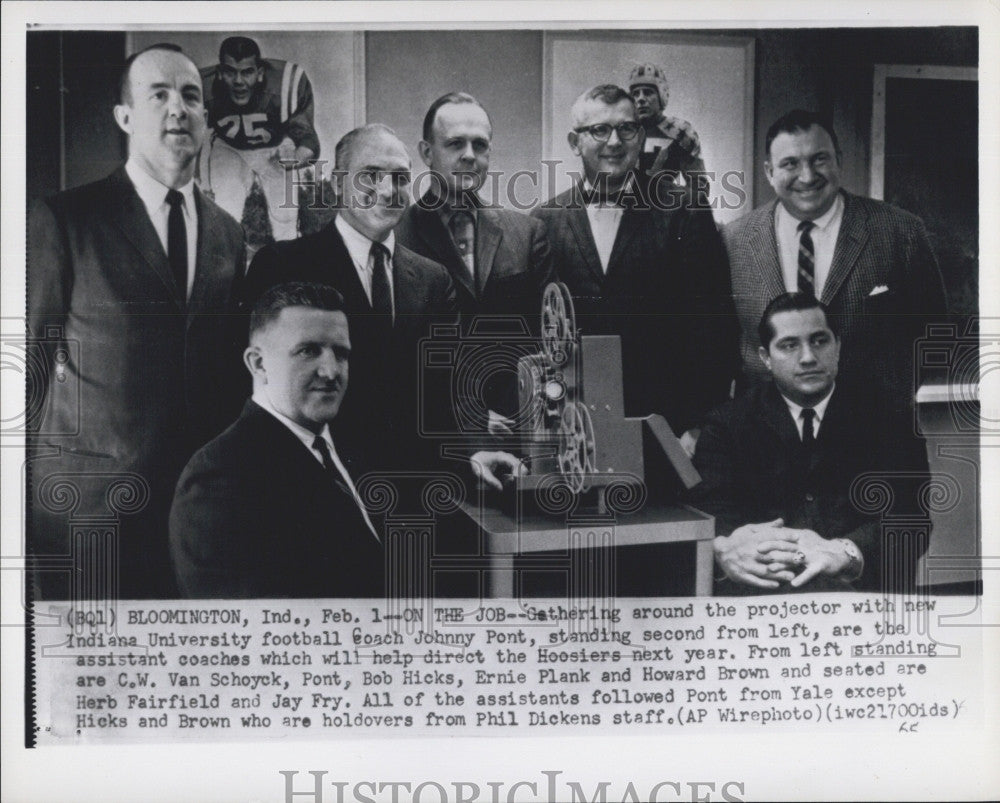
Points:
(463, 231)
(807, 259)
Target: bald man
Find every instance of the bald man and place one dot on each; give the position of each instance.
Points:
(130, 281)
(391, 295)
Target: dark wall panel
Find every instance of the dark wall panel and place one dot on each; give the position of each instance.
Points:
(407, 70)
(72, 136)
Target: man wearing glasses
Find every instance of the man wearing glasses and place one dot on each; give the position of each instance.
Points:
(644, 268)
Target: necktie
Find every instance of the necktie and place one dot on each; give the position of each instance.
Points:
(808, 434)
(807, 259)
(177, 252)
(324, 452)
(463, 231)
(381, 295)
(319, 444)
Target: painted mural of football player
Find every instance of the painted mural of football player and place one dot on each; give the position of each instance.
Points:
(671, 144)
(260, 112)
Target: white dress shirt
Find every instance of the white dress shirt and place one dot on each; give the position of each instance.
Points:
(153, 195)
(824, 237)
(360, 249)
(307, 437)
(604, 220)
(819, 408)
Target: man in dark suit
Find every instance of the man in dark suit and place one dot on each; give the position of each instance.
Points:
(131, 280)
(782, 467)
(498, 259)
(267, 509)
(392, 297)
(656, 276)
(869, 262)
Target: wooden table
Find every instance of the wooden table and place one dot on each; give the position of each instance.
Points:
(507, 536)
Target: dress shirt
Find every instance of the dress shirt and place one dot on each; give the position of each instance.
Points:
(604, 217)
(824, 237)
(153, 195)
(819, 409)
(360, 249)
(307, 437)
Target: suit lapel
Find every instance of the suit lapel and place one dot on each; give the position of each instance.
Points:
(304, 464)
(779, 418)
(209, 262)
(280, 440)
(627, 228)
(764, 245)
(431, 229)
(129, 215)
(405, 283)
(850, 245)
(834, 429)
(343, 274)
(579, 224)
(488, 237)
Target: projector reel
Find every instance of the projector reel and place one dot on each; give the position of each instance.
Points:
(558, 323)
(577, 447)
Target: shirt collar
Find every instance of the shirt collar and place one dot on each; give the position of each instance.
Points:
(445, 210)
(307, 436)
(784, 219)
(628, 188)
(152, 192)
(819, 407)
(359, 246)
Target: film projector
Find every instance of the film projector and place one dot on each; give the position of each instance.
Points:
(597, 481)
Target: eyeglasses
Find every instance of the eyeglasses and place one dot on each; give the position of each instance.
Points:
(602, 131)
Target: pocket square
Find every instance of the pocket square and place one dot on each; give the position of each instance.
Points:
(882, 288)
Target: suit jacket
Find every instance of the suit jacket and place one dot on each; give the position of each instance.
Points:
(378, 423)
(754, 469)
(513, 265)
(666, 293)
(257, 515)
(513, 261)
(878, 246)
(147, 377)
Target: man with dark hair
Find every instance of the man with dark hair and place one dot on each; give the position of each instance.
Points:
(261, 114)
(671, 144)
(499, 260)
(870, 263)
(782, 470)
(267, 509)
(131, 280)
(655, 276)
(392, 297)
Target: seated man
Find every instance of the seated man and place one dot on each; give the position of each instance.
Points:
(780, 469)
(267, 509)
